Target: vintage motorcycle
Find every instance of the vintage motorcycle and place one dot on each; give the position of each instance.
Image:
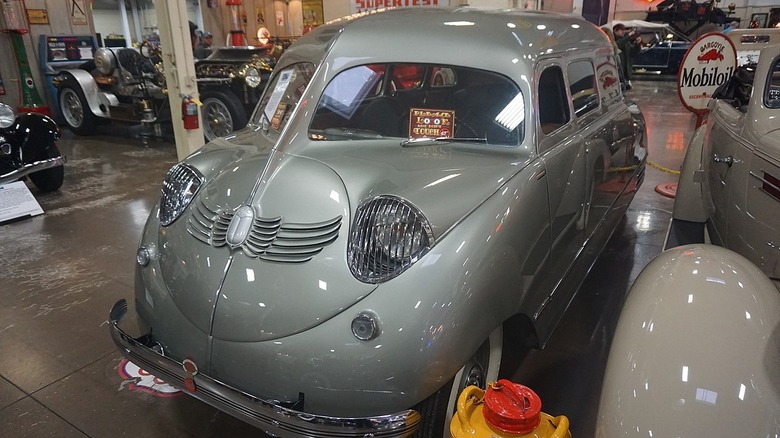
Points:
(28, 148)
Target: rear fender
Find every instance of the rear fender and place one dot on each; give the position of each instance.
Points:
(691, 201)
(34, 133)
(95, 97)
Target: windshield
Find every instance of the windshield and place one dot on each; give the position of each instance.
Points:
(414, 101)
(282, 95)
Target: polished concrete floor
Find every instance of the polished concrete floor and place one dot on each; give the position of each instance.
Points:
(60, 273)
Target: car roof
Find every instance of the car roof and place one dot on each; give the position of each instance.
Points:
(462, 35)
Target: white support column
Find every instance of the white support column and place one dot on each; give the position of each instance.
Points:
(125, 24)
(136, 20)
(179, 69)
(200, 17)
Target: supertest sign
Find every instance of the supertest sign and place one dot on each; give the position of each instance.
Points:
(709, 62)
(370, 5)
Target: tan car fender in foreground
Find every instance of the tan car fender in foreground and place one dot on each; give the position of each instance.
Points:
(696, 351)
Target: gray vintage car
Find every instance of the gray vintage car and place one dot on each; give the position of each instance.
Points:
(388, 221)
(128, 85)
(697, 347)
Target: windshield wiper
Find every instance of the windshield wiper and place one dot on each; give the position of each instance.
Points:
(347, 134)
(427, 141)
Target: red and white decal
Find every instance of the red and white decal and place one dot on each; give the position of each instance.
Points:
(142, 381)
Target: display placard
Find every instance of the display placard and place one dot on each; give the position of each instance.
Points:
(38, 16)
(16, 202)
(708, 63)
(431, 123)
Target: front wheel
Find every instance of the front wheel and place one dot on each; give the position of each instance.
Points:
(481, 368)
(75, 110)
(222, 114)
(49, 180)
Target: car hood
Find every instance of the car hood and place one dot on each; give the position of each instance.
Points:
(291, 273)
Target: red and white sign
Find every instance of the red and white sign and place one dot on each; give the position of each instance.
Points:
(710, 62)
(141, 380)
(369, 5)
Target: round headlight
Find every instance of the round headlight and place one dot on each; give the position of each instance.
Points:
(388, 236)
(252, 77)
(181, 184)
(7, 116)
(105, 62)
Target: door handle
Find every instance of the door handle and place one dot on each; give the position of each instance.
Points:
(729, 160)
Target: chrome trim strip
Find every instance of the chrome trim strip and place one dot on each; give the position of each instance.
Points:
(33, 167)
(763, 180)
(264, 414)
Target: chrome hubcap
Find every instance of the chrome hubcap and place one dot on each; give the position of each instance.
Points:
(217, 121)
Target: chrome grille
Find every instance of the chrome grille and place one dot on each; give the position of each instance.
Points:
(269, 239)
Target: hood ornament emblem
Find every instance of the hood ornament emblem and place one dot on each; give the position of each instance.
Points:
(240, 226)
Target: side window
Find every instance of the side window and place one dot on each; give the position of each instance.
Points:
(772, 96)
(582, 86)
(553, 103)
(608, 79)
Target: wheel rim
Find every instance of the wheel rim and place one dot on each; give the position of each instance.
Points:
(479, 370)
(72, 111)
(217, 121)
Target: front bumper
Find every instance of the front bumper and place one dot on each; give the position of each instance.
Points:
(267, 415)
(31, 168)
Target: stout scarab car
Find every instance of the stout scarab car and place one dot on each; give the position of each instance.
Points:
(388, 220)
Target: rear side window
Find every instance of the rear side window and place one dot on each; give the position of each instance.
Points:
(772, 96)
(582, 86)
(553, 103)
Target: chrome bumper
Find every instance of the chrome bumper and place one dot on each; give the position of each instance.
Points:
(264, 414)
(31, 168)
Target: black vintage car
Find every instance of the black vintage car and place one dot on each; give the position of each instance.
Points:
(28, 148)
(128, 85)
(663, 50)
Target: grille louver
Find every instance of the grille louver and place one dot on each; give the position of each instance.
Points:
(269, 239)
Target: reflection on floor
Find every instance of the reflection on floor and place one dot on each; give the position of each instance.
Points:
(60, 374)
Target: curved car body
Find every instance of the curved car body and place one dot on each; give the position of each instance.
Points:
(28, 149)
(696, 350)
(731, 173)
(358, 254)
(697, 346)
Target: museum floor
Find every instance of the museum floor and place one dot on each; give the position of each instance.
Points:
(60, 273)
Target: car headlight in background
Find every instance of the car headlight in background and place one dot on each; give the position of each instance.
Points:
(181, 184)
(388, 235)
(7, 116)
(251, 75)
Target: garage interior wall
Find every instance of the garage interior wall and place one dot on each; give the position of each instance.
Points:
(60, 23)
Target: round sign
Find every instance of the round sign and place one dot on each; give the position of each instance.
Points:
(708, 63)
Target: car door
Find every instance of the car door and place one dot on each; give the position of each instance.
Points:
(760, 226)
(563, 153)
(723, 158)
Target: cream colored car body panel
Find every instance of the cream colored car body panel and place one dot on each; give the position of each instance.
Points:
(696, 352)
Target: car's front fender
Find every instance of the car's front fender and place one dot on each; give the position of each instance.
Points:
(33, 133)
(696, 350)
(691, 199)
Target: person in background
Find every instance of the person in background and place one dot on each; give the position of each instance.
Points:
(204, 50)
(629, 43)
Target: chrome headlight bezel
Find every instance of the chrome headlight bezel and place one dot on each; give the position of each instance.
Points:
(252, 77)
(389, 234)
(7, 116)
(179, 188)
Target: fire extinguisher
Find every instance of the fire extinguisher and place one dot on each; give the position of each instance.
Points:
(189, 112)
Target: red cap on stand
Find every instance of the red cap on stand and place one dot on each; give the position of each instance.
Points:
(512, 408)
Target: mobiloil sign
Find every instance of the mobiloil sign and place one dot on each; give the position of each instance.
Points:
(709, 62)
